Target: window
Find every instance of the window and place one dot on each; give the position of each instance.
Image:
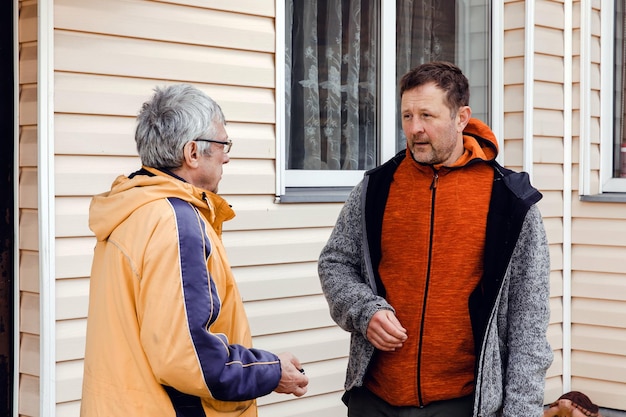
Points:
(613, 108)
(343, 60)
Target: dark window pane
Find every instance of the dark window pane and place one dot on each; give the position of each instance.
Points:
(331, 107)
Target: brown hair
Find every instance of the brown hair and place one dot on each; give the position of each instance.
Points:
(446, 76)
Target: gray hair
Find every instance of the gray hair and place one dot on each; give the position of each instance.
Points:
(175, 115)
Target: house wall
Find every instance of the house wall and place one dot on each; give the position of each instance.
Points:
(110, 54)
(598, 236)
(28, 239)
(598, 233)
(543, 61)
(587, 239)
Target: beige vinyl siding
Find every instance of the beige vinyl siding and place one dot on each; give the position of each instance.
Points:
(599, 306)
(547, 139)
(29, 331)
(238, 24)
(513, 74)
(548, 135)
(582, 113)
(598, 250)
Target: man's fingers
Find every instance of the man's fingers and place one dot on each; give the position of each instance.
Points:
(385, 331)
(393, 327)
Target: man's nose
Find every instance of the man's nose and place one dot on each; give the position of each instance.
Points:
(416, 126)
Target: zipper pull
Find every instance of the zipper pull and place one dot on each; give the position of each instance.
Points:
(433, 185)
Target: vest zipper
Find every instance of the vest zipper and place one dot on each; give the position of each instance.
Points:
(433, 194)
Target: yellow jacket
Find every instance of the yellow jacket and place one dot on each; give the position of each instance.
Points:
(167, 333)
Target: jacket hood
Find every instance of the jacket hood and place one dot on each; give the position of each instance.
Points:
(110, 209)
(479, 143)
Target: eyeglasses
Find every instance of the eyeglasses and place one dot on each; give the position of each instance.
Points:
(227, 145)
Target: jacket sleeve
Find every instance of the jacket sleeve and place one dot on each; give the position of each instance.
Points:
(178, 304)
(529, 353)
(342, 270)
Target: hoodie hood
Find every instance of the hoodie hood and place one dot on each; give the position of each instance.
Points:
(110, 209)
(479, 143)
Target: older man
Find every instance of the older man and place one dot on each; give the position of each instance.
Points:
(167, 332)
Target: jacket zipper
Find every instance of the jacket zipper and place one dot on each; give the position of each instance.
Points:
(433, 194)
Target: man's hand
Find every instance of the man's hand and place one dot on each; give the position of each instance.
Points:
(385, 331)
(292, 378)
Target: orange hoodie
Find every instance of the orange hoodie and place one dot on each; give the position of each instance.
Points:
(432, 250)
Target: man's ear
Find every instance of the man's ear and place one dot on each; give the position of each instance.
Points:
(191, 154)
(464, 114)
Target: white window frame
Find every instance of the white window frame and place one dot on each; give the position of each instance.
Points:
(387, 111)
(608, 184)
(387, 123)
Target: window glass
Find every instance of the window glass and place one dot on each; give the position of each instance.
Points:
(332, 84)
(432, 30)
(333, 81)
